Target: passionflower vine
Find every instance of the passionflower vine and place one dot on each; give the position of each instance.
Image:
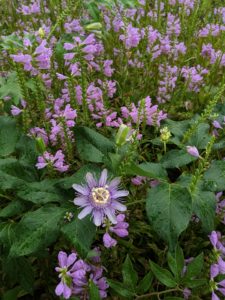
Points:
(101, 198)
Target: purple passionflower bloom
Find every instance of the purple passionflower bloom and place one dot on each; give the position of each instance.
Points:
(65, 262)
(192, 150)
(100, 198)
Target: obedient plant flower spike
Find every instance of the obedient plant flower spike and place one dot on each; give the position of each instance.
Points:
(72, 5)
(205, 115)
(202, 165)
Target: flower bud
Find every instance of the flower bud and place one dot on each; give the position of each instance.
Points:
(41, 32)
(123, 135)
(93, 26)
(165, 134)
(40, 145)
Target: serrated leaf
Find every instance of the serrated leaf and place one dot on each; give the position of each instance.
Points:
(145, 284)
(176, 159)
(120, 289)
(196, 283)
(151, 170)
(194, 267)
(201, 137)
(216, 175)
(169, 209)
(130, 276)
(93, 291)
(163, 275)
(37, 230)
(91, 145)
(13, 208)
(204, 206)
(8, 135)
(79, 176)
(80, 233)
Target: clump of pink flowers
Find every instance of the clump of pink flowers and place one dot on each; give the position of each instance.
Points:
(75, 274)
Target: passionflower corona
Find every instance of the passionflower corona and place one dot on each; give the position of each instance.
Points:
(101, 198)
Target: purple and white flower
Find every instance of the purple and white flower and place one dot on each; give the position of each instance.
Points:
(101, 198)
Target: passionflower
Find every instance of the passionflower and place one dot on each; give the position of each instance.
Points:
(100, 198)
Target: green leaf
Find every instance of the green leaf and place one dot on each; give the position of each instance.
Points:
(200, 137)
(8, 135)
(37, 230)
(195, 283)
(176, 159)
(176, 262)
(145, 284)
(179, 256)
(12, 209)
(178, 128)
(173, 298)
(204, 206)
(169, 209)
(8, 182)
(194, 267)
(80, 233)
(79, 176)
(93, 291)
(216, 175)
(151, 170)
(120, 289)
(10, 87)
(12, 268)
(130, 276)
(163, 275)
(91, 145)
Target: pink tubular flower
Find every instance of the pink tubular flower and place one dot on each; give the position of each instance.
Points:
(120, 229)
(56, 161)
(108, 241)
(65, 262)
(100, 198)
(192, 150)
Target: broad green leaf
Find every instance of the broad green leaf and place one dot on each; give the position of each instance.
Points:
(12, 268)
(10, 87)
(16, 168)
(8, 135)
(37, 230)
(194, 267)
(179, 256)
(176, 159)
(93, 291)
(130, 276)
(151, 170)
(91, 145)
(39, 197)
(80, 233)
(79, 176)
(216, 176)
(169, 209)
(204, 206)
(176, 262)
(163, 275)
(195, 283)
(13, 208)
(7, 233)
(145, 284)
(200, 137)
(120, 289)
